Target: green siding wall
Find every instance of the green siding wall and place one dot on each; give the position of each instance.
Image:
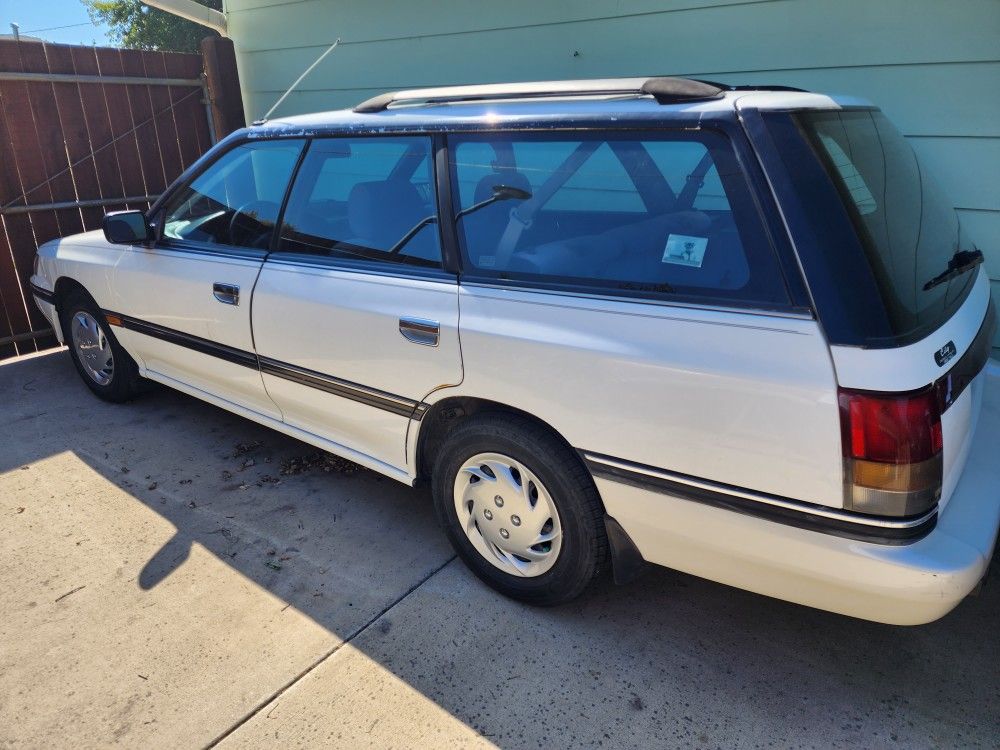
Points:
(932, 65)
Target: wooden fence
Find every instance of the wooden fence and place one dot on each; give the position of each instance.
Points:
(85, 130)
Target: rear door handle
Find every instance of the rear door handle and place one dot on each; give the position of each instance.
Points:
(420, 331)
(228, 294)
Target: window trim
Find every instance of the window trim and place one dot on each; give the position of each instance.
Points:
(361, 264)
(793, 313)
(797, 303)
(279, 221)
(451, 254)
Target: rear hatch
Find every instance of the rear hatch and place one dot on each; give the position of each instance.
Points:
(904, 300)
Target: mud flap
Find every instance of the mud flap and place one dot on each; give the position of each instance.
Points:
(627, 563)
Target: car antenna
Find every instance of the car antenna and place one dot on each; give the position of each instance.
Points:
(298, 80)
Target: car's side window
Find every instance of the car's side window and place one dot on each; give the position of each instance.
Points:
(676, 160)
(601, 184)
(235, 202)
(639, 215)
(367, 199)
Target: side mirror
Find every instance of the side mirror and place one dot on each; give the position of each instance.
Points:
(126, 227)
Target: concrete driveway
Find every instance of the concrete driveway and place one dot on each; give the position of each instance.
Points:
(173, 576)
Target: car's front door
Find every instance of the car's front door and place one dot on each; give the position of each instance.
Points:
(354, 317)
(184, 303)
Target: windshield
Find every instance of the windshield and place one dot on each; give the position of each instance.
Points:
(908, 228)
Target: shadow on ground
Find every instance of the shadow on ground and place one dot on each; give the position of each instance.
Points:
(669, 660)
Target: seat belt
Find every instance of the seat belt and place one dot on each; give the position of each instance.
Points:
(695, 181)
(521, 216)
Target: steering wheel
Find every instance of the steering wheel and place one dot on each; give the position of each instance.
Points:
(247, 228)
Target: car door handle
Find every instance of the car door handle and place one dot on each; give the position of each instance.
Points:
(420, 331)
(228, 294)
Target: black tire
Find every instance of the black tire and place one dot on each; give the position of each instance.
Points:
(584, 547)
(125, 382)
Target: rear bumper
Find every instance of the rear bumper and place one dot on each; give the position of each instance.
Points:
(907, 584)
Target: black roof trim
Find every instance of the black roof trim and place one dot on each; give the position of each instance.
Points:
(376, 103)
(751, 86)
(669, 90)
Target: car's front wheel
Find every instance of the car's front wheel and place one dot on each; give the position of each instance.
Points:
(106, 368)
(520, 509)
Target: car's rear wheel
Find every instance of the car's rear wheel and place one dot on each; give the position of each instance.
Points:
(520, 509)
(105, 367)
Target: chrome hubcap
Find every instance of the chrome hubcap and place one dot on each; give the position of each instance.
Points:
(508, 515)
(92, 348)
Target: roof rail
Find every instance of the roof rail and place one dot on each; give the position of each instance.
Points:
(666, 90)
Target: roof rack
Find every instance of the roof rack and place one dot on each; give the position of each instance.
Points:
(665, 89)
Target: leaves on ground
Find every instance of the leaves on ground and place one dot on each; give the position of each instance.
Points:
(242, 448)
(322, 461)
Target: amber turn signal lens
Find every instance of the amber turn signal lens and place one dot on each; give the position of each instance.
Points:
(897, 477)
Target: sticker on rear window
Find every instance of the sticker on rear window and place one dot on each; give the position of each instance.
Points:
(685, 250)
(487, 261)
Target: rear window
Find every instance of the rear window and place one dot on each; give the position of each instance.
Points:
(658, 214)
(907, 227)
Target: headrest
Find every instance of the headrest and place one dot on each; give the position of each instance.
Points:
(382, 211)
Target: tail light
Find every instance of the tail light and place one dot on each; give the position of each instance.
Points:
(893, 463)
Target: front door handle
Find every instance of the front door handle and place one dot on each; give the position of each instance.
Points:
(228, 294)
(420, 331)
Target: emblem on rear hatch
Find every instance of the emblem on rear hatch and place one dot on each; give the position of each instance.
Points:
(945, 353)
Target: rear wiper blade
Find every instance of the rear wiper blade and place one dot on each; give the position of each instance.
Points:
(960, 262)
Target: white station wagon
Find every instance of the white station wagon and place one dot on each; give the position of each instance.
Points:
(734, 331)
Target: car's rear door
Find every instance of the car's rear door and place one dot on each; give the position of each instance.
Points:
(641, 308)
(355, 319)
(184, 303)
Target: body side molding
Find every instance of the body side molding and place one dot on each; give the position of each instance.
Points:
(809, 516)
(404, 407)
(43, 294)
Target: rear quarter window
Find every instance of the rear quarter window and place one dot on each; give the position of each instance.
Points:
(666, 215)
